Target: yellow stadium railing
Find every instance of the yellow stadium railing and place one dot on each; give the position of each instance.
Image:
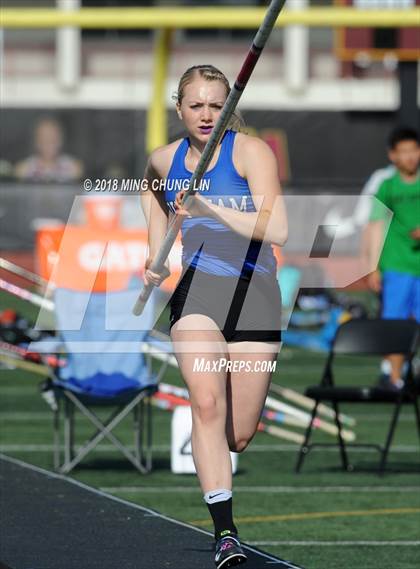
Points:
(204, 17)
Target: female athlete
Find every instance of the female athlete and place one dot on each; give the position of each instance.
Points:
(225, 312)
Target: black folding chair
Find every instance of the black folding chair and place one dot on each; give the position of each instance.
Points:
(363, 338)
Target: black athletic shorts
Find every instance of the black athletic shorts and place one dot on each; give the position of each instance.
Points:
(244, 309)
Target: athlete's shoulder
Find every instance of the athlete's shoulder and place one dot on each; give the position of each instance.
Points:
(252, 145)
(249, 143)
(251, 151)
(160, 159)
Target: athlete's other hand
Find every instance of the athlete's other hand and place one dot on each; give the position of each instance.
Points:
(375, 281)
(196, 205)
(153, 278)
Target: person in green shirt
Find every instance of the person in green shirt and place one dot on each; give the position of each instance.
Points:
(397, 276)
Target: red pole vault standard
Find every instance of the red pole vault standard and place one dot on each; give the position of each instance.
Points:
(231, 102)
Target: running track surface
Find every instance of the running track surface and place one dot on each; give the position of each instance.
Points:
(49, 521)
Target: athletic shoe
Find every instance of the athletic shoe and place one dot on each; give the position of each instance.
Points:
(229, 552)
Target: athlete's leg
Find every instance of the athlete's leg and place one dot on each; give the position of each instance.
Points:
(247, 389)
(207, 390)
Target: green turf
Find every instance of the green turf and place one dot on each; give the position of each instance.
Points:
(389, 514)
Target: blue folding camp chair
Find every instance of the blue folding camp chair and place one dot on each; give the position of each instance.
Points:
(105, 367)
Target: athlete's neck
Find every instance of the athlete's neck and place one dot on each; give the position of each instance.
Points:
(196, 149)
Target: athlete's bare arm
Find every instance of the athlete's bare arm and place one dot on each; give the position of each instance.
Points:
(259, 166)
(155, 208)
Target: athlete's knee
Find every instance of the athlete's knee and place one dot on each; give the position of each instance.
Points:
(207, 409)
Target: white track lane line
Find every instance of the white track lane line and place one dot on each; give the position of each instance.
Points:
(336, 543)
(46, 416)
(267, 489)
(253, 448)
(105, 447)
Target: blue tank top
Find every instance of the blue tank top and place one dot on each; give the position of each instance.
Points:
(209, 245)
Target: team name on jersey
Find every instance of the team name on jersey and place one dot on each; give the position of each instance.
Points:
(240, 203)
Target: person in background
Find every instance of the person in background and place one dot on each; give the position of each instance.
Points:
(49, 163)
(397, 277)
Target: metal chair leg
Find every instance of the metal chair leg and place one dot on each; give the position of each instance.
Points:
(67, 431)
(104, 430)
(149, 434)
(137, 427)
(390, 435)
(342, 444)
(71, 432)
(304, 449)
(142, 433)
(57, 441)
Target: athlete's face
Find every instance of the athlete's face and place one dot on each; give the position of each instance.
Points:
(201, 106)
(406, 156)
